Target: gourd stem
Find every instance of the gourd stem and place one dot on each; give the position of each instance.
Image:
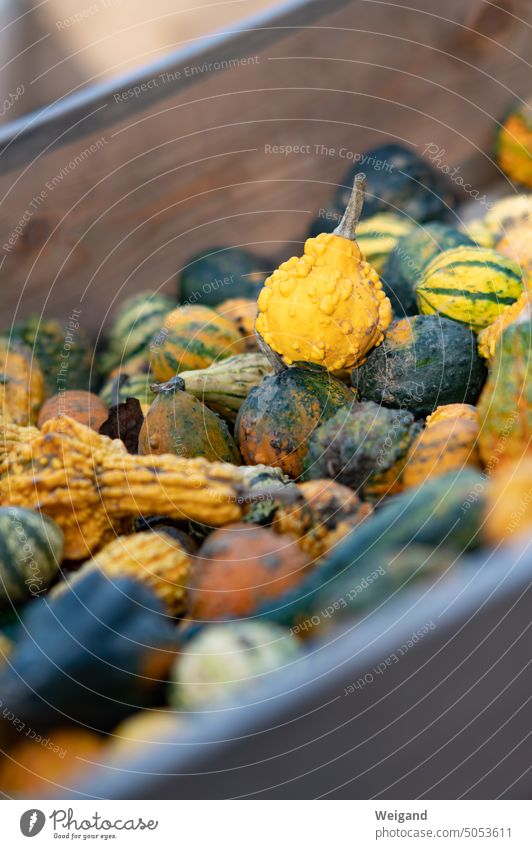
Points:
(347, 225)
(175, 384)
(276, 362)
(116, 387)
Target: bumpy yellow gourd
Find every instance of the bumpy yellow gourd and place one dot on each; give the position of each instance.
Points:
(328, 306)
(10, 436)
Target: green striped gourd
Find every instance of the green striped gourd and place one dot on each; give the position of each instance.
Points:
(31, 549)
(469, 285)
(377, 236)
(225, 385)
(410, 256)
(192, 337)
(128, 384)
(138, 320)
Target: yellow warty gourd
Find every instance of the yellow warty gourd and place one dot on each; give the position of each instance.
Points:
(328, 306)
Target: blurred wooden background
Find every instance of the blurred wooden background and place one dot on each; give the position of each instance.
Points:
(52, 48)
(117, 190)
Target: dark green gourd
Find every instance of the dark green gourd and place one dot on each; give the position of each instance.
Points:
(359, 444)
(89, 656)
(397, 180)
(424, 362)
(217, 274)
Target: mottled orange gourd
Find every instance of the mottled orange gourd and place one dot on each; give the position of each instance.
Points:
(448, 443)
(239, 568)
(178, 423)
(327, 307)
(85, 407)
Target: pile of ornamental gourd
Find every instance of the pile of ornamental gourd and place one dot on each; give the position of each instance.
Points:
(255, 459)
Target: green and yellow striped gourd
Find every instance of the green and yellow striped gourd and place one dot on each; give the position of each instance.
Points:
(138, 320)
(469, 285)
(192, 337)
(377, 236)
(503, 216)
(62, 349)
(480, 233)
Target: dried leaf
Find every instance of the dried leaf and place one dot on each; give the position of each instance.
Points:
(124, 422)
